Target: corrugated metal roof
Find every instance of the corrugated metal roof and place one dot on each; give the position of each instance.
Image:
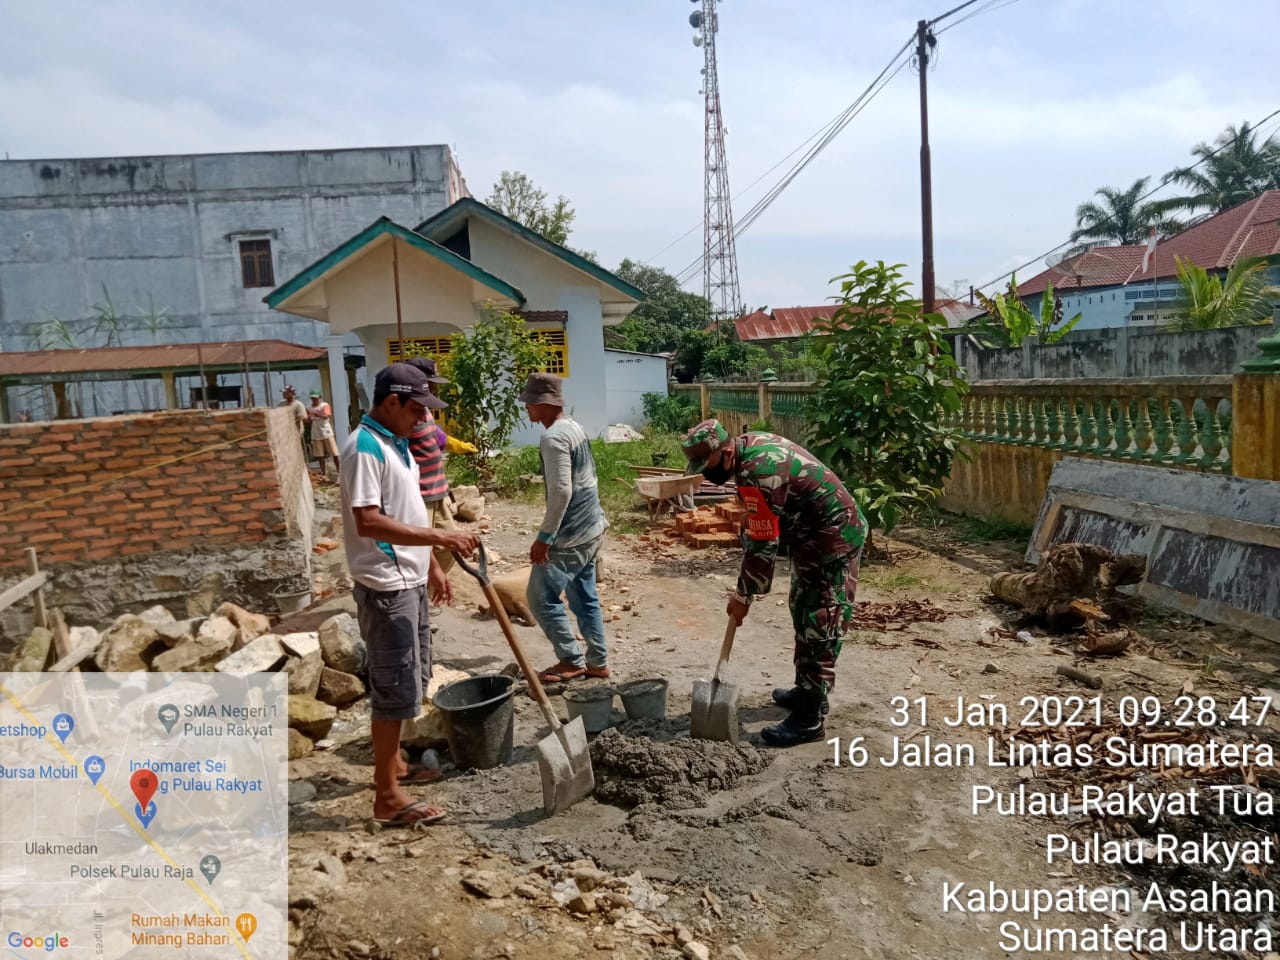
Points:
(1249, 229)
(781, 323)
(188, 356)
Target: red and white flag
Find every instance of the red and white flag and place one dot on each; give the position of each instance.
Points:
(1150, 252)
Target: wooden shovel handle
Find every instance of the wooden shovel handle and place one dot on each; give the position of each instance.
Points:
(725, 647)
(531, 675)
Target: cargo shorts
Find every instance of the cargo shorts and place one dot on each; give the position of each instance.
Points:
(397, 630)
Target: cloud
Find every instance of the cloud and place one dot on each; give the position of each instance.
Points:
(1032, 108)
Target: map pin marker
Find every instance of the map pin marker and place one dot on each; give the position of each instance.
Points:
(143, 783)
(210, 866)
(168, 717)
(246, 923)
(93, 768)
(146, 816)
(63, 724)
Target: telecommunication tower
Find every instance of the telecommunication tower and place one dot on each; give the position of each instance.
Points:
(719, 254)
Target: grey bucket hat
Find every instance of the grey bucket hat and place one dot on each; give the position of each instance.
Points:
(543, 388)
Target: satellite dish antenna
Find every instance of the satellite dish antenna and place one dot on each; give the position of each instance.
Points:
(697, 39)
(1053, 259)
(726, 131)
(695, 19)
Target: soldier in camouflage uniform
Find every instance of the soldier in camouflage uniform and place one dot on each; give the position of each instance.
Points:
(790, 498)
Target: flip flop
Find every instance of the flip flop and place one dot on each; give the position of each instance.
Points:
(562, 673)
(419, 775)
(404, 816)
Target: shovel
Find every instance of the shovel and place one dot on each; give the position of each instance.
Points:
(714, 714)
(564, 759)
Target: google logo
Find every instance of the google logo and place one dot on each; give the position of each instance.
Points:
(47, 944)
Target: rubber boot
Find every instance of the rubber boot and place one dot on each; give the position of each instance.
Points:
(803, 725)
(790, 696)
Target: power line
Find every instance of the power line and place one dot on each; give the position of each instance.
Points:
(821, 132)
(827, 134)
(1168, 179)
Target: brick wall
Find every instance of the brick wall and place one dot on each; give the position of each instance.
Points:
(65, 487)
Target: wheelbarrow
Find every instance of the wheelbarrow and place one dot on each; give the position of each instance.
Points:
(664, 492)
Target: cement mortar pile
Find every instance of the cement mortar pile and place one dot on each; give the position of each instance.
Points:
(678, 774)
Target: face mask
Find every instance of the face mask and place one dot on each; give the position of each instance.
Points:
(719, 474)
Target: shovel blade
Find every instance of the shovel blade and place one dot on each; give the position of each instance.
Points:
(564, 762)
(714, 714)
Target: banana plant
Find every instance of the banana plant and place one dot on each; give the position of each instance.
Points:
(1010, 321)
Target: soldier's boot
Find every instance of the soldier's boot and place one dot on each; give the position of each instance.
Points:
(790, 696)
(804, 724)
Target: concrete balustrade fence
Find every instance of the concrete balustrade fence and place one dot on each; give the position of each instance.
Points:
(1016, 430)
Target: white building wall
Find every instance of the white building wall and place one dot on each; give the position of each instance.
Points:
(630, 376)
(165, 231)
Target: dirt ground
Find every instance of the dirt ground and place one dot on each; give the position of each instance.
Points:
(800, 858)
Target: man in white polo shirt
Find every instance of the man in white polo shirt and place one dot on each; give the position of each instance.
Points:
(388, 541)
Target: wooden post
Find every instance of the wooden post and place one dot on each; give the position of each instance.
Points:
(170, 378)
(4, 403)
(326, 381)
(62, 406)
(704, 391)
(1255, 413)
(37, 597)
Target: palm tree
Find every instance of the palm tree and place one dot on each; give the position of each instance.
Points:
(1236, 169)
(1208, 301)
(1120, 217)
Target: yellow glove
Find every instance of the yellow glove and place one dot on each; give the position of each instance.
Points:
(454, 445)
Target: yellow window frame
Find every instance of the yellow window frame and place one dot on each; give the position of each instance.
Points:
(557, 342)
(437, 348)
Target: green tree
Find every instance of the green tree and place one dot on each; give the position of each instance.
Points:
(665, 313)
(888, 378)
(487, 370)
(1119, 217)
(1235, 169)
(1208, 301)
(516, 196)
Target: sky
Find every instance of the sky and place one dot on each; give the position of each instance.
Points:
(1034, 104)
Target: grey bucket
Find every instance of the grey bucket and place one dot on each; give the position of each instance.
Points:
(593, 703)
(644, 699)
(479, 720)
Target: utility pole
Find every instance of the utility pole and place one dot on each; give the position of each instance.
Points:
(925, 40)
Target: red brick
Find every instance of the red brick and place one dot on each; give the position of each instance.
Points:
(15, 462)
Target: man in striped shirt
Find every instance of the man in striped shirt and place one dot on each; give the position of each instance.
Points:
(427, 443)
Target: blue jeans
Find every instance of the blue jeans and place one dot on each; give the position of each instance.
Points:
(570, 571)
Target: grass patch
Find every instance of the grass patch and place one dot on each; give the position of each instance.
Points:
(622, 505)
(986, 529)
(889, 580)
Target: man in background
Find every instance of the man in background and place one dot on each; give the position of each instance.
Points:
(299, 417)
(387, 538)
(323, 441)
(572, 532)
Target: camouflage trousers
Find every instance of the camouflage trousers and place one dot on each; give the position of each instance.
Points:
(821, 602)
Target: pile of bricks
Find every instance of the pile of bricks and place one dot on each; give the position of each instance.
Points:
(708, 526)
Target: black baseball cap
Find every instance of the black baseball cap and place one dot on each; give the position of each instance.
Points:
(427, 366)
(408, 383)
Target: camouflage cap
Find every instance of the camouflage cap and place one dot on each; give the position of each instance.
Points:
(702, 441)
